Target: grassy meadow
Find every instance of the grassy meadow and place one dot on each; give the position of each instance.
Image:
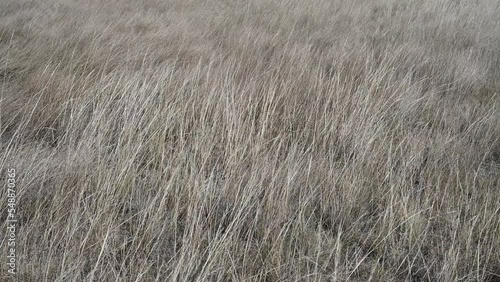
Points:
(259, 140)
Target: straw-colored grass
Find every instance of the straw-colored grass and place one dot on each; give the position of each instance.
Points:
(261, 140)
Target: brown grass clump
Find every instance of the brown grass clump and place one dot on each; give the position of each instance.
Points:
(252, 140)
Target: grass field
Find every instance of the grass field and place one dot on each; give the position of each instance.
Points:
(259, 140)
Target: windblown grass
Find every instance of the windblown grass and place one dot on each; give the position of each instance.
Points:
(253, 140)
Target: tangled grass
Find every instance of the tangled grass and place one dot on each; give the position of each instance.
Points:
(205, 140)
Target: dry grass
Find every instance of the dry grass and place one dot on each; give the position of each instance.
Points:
(172, 140)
